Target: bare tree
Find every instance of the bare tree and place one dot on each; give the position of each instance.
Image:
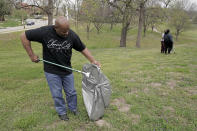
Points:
(57, 5)
(154, 15)
(192, 11)
(100, 14)
(113, 17)
(127, 11)
(151, 14)
(87, 14)
(65, 8)
(50, 12)
(76, 5)
(98, 25)
(45, 6)
(179, 19)
(167, 2)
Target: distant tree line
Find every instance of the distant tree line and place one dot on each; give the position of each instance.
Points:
(143, 14)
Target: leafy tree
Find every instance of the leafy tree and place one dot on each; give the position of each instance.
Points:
(127, 10)
(89, 13)
(195, 20)
(113, 17)
(46, 6)
(19, 13)
(4, 9)
(179, 18)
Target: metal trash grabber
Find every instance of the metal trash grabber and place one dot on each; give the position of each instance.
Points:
(87, 74)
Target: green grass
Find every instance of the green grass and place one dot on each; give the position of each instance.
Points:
(161, 89)
(10, 22)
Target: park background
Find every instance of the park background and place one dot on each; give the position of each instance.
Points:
(150, 90)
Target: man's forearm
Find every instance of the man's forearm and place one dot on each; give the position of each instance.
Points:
(88, 55)
(27, 45)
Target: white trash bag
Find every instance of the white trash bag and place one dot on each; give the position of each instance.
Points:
(96, 91)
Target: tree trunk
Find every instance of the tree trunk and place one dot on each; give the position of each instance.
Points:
(64, 13)
(50, 12)
(2, 18)
(177, 35)
(76, 15)
(140, 25)
(145, 27)
(124, 35)
(88, 31)
(77, 19)
(152, 27)
(57, 11)
(98, 31)
(97, 26)
(145, 31)
(50, 19)
(111, 27)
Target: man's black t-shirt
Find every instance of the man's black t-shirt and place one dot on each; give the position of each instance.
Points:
(56, 49)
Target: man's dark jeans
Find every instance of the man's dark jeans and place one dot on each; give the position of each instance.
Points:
(56, 84)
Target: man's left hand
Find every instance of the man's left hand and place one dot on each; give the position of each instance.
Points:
(97, 63)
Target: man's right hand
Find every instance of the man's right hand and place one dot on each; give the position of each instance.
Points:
(35, 58)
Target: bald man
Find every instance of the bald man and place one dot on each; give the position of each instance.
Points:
(57, 42)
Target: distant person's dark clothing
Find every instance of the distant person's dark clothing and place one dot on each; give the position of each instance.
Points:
(162, 43)
(168, 42)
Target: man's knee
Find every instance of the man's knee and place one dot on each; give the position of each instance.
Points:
(71, 92)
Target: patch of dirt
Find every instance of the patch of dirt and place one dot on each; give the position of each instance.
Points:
(135, 118)
(125, 73)
(35, 81)
(174, 73)
(133, 91)
(164, 94)
(193, 66)
(129, 80)
(55, 124)
(125, 108)
(146, 90)
(171, 84)
(192, 91)
(121, 104)
(147, 78)
(168, 108)
(177, 75)
(132, 80)
(156, 84)
(81, 129)
(139, 72)
(102, 123)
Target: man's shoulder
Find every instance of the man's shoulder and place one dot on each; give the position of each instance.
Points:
(73, 34)
(47, 27)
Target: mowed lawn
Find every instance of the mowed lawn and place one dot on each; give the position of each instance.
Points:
(150, 91)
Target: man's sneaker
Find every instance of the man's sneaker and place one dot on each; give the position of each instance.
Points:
(64, 117)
